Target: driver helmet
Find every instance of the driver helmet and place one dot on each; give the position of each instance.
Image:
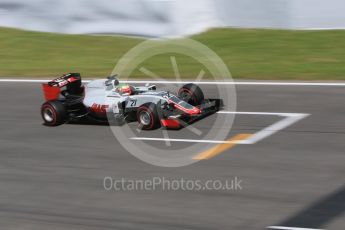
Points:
(124, 89)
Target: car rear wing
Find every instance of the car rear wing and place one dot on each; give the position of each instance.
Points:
(65, 80)
(52, 89)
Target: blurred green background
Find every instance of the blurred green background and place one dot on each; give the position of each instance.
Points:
(248, 53)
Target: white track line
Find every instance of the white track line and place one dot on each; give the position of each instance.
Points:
(290, 228)
(187, 140)
(260, 113)
(290, 118)
(263, 83)
(25, 80)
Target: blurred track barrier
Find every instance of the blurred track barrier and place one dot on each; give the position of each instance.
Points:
(168, 18)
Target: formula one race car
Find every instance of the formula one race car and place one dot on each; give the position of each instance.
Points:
(108, 100)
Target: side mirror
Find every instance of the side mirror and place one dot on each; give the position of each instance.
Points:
(152, 87)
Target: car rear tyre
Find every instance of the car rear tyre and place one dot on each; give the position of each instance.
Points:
(191, 94)
(148, 117)
(53, 113)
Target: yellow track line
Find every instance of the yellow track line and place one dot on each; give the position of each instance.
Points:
(214, 151)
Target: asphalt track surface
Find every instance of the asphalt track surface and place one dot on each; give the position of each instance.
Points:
(52, 178)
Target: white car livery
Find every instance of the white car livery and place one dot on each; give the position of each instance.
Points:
(108, 100)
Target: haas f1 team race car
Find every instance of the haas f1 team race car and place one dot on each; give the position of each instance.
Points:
(107, 100)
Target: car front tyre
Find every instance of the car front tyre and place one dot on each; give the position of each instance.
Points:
(148, 117)
(191, 94)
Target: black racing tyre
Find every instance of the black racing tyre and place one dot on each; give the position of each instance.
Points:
(148, 117)
(191, 94)
(53, 113)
